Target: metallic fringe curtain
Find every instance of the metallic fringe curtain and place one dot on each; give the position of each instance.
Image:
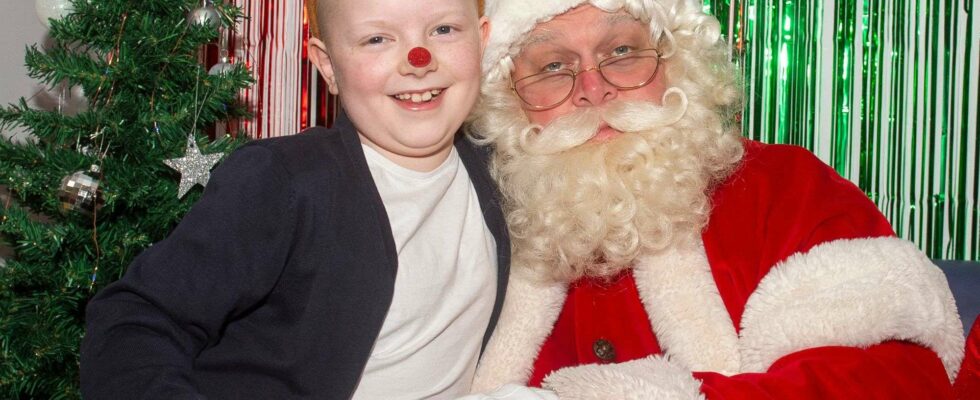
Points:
(288, 95)
(885, 91)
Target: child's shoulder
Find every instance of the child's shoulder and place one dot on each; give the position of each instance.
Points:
(309, 139)
(314, 148)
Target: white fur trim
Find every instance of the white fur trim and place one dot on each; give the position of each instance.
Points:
(686, 311)
(529, 313)
(511, 20)
(851, 293)
(653, 377)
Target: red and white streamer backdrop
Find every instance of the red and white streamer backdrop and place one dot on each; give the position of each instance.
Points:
(288, 95)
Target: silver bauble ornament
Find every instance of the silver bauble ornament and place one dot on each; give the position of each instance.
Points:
(72, 101)
(77, 92)
(205, 15)
(223, 66)
(52, 9)
(81, 192)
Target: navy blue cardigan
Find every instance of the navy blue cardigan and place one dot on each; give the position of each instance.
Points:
(275, 285)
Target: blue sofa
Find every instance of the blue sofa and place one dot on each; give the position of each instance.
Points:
(964, 280)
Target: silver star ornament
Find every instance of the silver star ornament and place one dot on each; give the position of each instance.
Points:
(194, 167)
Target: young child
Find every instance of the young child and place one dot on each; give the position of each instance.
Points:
(367, 261)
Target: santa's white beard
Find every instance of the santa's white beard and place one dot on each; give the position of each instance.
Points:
(577, 208)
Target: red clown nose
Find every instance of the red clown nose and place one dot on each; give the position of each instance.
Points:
(419, 57)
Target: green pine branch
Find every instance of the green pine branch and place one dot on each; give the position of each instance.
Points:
(136, 61)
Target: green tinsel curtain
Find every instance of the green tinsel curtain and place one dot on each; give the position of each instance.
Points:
(885, 91)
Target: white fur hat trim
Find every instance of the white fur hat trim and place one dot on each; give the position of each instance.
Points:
(511, 20)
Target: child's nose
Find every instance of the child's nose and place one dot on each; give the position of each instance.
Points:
(419, 61)
(419, 57)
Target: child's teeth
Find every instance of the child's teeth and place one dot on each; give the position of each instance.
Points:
(419, 97)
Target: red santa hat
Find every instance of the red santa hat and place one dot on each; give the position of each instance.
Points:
(511, 20)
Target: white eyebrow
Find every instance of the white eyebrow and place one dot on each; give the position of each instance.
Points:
(538, 37)
(547, 36)
(615, 19)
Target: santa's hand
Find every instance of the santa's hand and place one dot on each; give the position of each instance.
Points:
(514, 392)
(653, 377)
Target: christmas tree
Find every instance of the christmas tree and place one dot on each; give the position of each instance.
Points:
(94, 188)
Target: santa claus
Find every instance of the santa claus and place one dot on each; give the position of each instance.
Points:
(658, 254)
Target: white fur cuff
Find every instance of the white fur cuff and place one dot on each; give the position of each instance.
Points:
(653, 377)
(530, 311)
(859, 293)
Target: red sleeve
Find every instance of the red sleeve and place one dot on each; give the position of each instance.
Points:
(891, 370)
(781, 201)
(968, 381)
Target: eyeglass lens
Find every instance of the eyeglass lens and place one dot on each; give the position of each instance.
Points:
(549, 89)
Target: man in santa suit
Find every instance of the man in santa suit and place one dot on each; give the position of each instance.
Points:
(658, 254)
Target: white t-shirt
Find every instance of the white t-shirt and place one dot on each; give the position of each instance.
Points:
(445, 286)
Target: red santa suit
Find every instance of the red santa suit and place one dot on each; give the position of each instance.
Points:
(799, 289)
(968, 381)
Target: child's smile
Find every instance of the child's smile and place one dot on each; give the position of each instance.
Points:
(407, 72)
(412, 100)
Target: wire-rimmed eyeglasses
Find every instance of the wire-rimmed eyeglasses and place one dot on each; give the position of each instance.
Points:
(549, 89)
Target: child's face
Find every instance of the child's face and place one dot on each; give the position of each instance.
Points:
(364, 58)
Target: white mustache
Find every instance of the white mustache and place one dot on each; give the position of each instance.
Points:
(575, 129)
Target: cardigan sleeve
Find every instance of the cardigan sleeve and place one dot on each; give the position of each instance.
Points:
(143, 331)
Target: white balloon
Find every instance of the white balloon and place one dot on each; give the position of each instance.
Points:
(52, 9)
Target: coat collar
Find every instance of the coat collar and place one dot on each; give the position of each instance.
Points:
(686, 310)
(678, 294)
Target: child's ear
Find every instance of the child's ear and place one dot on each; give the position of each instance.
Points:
(484, 32)
(320, 58)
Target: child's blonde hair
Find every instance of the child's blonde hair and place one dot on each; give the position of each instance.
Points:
(311, 13)
(312, 16)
